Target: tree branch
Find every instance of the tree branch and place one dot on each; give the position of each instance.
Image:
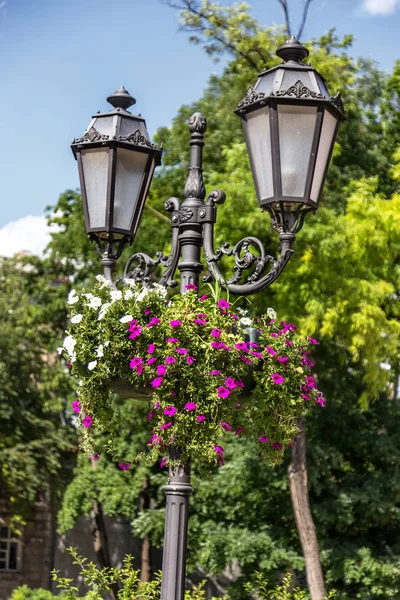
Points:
(304, 18)
(285, 7)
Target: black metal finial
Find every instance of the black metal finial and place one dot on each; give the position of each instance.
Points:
(121, 99)
(292, 50)
(197, 123)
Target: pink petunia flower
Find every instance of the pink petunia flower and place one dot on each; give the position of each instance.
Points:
(288, 343)
(321, 401)
(151, 349)
(170, 360)
(157, 382)
(234, 316)
(166, 425)
(305, 397)
(68, 363)
(172, 341)
(217, 345)
(239, 430)
(200, 418)
(146, 311)
(190, 286)
(257, 354)
(277, 379)
(151, 360)
(223, 304)
(215, 372)
(190, 360)
(223, 392)
(263, 439)
(87, 421)
(124, 466)
(252, 345)
(242, 346)
(225, 426)
(239, 383)
(204, 297)
(175, 323)
(277, 446)
(246, 360)
(216, 333)
(76, 406)
(173, 394)
(219, 450)
(150, 416)
(274, 334)
(135, 362)
(191, 406)
(139, 369)
(161, 370)
(182, 351)
(202, 315)
(230, 383)
(163, 462)
(200, 321)
(311, 383)
(238, 405)
(95, 457)
(156, 405)
(170, 411)
(156, 439)
(132, 324)
(282, 359)
(312, 341)
(153, 321)
(135, 332)
(270, 350)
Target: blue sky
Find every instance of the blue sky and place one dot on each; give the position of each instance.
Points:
(60, 59)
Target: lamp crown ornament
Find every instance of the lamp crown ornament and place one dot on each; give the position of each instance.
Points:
(121, 99)
(292, 51)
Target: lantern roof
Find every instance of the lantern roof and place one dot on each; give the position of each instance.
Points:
(290, 81)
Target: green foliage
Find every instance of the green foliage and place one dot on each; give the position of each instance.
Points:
(23, 592)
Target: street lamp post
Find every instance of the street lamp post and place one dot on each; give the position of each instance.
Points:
(290, 124)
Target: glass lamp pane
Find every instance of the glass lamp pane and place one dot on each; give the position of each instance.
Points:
(296, 131)
(324, 148)
(95, 172)
(259, 145)
(131, 166)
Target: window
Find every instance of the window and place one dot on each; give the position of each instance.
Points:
(9, 546)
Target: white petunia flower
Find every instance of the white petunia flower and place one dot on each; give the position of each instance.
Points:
(76, 319)
(92, 365)
(160, 290)
(69, 344)
(107, 343)
(94, 302)
(103, 311)
(60, 350)
(246, 321)
(104, 282)
(128, 294)
(131, 282)
(145, 292)
(271, 313)
(126, 319)
(72, 297)
(115, 295)
(100, 351)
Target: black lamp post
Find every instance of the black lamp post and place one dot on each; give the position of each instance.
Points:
(290, 124)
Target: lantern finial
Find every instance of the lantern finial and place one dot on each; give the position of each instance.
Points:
(121, 99)
(292, 51)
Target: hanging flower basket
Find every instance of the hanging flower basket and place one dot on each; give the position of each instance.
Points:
(195, 361)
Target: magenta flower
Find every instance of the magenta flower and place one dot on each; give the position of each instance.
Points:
(238, 405)
(252, 345)
(132, 324)
(277, 446)
(151, 349)
(76, 406)
(153, 321)
(311, 383)
(219, 450)
(242, 346)
(225, 426)
(277, 379)
(157, 382)
(146, 311)
(202, 315)
(190, 360)
(305, 397)
(273, 334)
(190, 406)
(95, 457)
(223, 304)
(135, 331)
(223, 392)
(172, 341)
(190, 286)
(173, 394)
(239, 430)
(217, 345)
(200, 321)
(175, 323)
(135, 362)
(170, 360)
(215, 372)
(230, 383)
(270, 350)
(156, 405)
(200, 418)
(87, 421)
(312, 341)
(155, 439)
(288, 343)
(321, 401)
(68, 363)
(166, 425)
(170, 411)
(139, 369)
(151, 360)
(163, 462)
(161, 370)
(307, 361)
(257, 354)
(234, 317)
(216, 333)
(150, 416)
(182, 351)
(239, 383)
(282, 359)
(246, 360)
(263, 439)
(202, 298)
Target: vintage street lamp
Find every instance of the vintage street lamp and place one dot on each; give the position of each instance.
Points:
(290, 124)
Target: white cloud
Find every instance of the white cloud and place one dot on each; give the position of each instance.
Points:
(380, 7)
(29, 234)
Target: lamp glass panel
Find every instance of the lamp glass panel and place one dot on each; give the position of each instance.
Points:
(259, 142)
(131, 166)
(324, 149)
(291, 77)
(95, 171)
(265, 83)
(296, 132)
(104, 125)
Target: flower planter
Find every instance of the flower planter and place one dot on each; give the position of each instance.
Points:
(128, 390)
